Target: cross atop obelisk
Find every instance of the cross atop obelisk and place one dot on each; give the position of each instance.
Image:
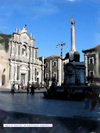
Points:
(72, 35)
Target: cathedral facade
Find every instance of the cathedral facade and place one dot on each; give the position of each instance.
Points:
(24, 66)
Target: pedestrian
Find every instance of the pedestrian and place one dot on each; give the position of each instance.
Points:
(94, 100)
(54, 85)
(32, 89)
(28, 88)
(13, 89)
(87, 100)
(21, 86)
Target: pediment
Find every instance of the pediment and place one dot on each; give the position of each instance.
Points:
(25, 38)
(23, 67)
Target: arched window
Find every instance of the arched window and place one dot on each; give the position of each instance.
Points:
(55, 63)
(46, 75)
(46, 64)
(3, 79)
(35, 74)
(55, 75)
(24, 50)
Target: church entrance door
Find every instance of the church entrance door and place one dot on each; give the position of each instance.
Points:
(23, 78)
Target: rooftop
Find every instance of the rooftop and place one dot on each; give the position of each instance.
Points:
(97, 48)
(52, 57)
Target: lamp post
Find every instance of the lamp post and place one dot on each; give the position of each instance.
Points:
(61, 45)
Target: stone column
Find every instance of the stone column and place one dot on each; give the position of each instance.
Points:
(97, 65)
(72, 35)
(50, 72)
(86, 65)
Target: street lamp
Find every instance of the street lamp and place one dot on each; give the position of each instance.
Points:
(61, 45)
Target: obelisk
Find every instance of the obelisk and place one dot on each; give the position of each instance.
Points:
(72, 35)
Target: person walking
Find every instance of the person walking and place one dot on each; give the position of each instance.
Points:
(87, 101)
(32, 89)
(13, 89)
(94, 99)
(28, 88)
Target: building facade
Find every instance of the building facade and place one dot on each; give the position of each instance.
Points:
(53, 69)
(4, 68)
(24, 66)
(4, 62)
(92, 64)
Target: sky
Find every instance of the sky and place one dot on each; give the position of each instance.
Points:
(49, 22)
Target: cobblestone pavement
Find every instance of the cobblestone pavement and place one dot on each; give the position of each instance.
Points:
(36, 104)
(66, 116)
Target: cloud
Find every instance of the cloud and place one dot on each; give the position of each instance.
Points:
(64, 1)
(31, 8)
(59, 2)
(27, 8)
(36, 11)
(71, 0)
